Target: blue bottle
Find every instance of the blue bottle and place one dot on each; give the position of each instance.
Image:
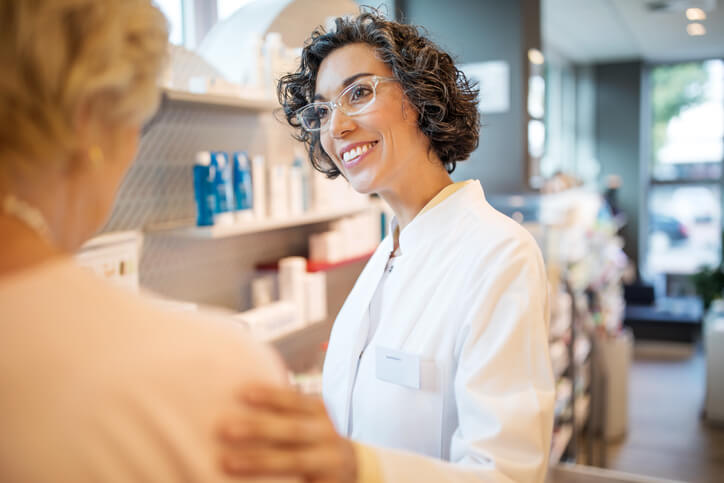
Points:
(241, 171)
(204, 189)
(223, 190)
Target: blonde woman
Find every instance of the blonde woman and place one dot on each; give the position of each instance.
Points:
(97, 385)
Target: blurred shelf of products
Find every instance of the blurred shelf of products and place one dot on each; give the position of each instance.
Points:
(589, 348)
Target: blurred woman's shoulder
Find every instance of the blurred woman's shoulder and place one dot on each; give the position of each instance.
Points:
(112, 378)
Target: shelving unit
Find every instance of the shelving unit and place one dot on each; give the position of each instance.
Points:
(593, 281)
(253, 225)
(252, 104)
(214, 266)
(584, 261)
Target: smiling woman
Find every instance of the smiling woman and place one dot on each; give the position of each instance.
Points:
(436, 89)
(375, 117)
(437, 367)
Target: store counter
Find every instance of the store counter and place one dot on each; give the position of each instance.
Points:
(570, 473)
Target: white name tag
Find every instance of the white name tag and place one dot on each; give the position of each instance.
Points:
(398, 367)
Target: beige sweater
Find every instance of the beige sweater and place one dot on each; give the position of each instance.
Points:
(97, 384)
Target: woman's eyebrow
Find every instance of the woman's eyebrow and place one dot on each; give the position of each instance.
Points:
(345, 83)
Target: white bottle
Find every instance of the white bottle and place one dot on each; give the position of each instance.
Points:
(259, 82)
(292, 282)
(296, 190)
(316, 297)
(278, 191)
(262, 291)
(271, 321)
(273, 49)
(258, 183)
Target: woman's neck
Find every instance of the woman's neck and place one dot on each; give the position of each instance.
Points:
(22, 247)
(40, 222)
(413, 193)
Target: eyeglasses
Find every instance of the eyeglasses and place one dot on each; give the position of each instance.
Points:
(351, 101)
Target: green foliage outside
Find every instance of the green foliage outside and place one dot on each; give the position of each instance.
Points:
(675, 88)
(709, 281)
(709, 284)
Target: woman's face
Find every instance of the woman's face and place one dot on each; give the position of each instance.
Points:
(388, 127)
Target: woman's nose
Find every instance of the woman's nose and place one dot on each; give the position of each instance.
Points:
(340, 123)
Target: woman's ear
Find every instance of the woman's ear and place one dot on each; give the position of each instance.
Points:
(86, 151)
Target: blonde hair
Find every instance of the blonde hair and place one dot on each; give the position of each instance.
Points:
(61, 56)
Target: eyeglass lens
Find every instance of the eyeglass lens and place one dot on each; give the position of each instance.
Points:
(351, 101)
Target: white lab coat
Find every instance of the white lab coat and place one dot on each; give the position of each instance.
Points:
(456, 383)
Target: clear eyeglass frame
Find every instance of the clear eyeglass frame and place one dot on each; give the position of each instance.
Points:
(309, 116)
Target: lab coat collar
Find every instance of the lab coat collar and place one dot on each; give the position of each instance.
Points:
(426, 226)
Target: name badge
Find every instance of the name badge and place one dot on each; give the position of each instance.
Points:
(398, 367)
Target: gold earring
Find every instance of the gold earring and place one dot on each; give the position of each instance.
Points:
(95, 155)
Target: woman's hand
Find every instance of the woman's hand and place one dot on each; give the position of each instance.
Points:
(282, 432)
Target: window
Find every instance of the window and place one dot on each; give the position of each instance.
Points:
(684, 227)
(688, 121)
(173, 10)
(684, 199)
(226, 8)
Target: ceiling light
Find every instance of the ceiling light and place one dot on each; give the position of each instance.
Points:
(695, 14)
(535, 56)
(695, 29)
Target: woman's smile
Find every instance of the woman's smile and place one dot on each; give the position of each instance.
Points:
(353, 154)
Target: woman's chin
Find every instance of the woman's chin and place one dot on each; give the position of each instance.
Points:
(363, 186)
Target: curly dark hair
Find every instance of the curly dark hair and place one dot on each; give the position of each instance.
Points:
(443, 97)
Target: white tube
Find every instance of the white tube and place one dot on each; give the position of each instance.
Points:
(292, 276)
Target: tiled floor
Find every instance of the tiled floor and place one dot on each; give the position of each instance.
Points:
(667, 437)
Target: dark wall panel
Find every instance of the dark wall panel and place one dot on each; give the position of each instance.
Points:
(476, 31)
(618, 143)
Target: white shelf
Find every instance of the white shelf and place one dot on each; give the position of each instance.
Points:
(560, 442)
(254, 225)
(251, 104)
